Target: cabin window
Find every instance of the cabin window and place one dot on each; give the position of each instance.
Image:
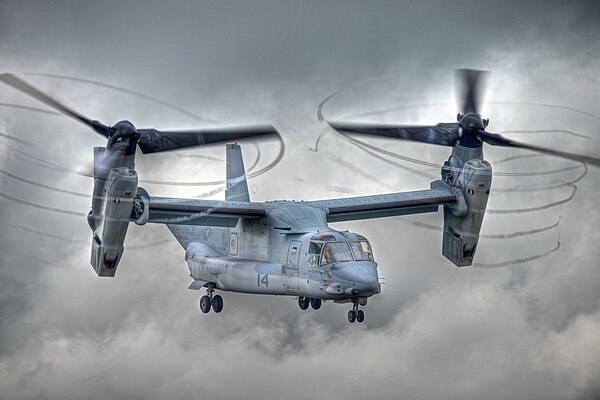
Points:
(336, 252)
(323, 236)
(362, 251)
(314, 253)
(233, 244)
(293, 257)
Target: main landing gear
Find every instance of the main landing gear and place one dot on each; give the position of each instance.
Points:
(355, 314)
(304, 302)
(207, 301)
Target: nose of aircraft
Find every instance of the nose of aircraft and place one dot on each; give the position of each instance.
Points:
(361, 272)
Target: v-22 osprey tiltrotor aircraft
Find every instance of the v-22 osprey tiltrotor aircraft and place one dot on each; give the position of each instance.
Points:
(285, 247)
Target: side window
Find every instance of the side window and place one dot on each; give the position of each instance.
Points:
(233, 244)
(314, 252)
(293, 257)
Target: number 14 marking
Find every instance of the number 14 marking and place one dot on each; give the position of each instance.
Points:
(262, 281)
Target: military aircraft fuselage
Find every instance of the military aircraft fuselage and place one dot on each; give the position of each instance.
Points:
(292, 251)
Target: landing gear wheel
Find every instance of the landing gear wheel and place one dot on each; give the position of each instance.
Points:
(217, 304)
(315, 303)
(360, 316)
(205, 304)
(351, 316)
(303, 302)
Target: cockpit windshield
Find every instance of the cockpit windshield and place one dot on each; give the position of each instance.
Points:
(336, 252)
(325, 248)
(362, 251)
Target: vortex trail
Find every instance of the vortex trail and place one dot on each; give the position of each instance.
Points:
(41, 207)
(28, 108)
(38, 161)
(539, 208)
(552, 186)
(544, 188)
(434, 165)
(74, 241)
(492, 211)
(55, 189)
(150, 99)
(124, 90)
(520, 260)
(512, 158)
(492, 236)
(544, 105)
(46, 234)
(166, 183)
(438, 166)
(565, 131)
(15, 139)
(218, 190)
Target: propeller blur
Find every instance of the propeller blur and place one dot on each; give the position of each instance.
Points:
(286, 247)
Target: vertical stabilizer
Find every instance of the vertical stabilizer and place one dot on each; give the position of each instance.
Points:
(237, 187)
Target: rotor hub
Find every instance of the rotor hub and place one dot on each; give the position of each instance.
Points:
(122, 131)
(472, 121)
(469, 126)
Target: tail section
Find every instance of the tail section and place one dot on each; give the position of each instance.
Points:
(237, 186)
(236, 190)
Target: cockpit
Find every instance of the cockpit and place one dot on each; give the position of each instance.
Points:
(326, 248)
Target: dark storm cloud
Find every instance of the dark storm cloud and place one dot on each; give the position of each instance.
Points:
(528, 331)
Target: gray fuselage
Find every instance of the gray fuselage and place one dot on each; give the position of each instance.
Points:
(292, 251)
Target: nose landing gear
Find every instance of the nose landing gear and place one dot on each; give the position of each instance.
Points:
(205, 304)
(355, 314)
(207, 301)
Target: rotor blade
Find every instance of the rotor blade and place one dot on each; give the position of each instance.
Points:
(442, 133)
(26, 88)
(497, 140)
(152, 140)
(470, 85)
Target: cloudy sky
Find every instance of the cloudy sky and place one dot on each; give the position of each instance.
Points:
(524, 322)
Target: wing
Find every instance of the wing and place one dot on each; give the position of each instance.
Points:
(165, 210)
(386, 205)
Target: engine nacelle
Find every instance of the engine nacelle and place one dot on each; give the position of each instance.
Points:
(462, 221)
(113, 221)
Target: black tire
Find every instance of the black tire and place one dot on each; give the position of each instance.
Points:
(205, 304)
(303, 302)
(351, 316)
(217, 304)
(315, 303)
(360, 316)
